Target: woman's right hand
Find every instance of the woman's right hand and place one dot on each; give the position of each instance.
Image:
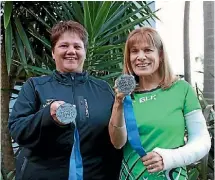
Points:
(119, 97)
(53, 108)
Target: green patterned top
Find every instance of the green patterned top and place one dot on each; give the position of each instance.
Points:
(160, 120)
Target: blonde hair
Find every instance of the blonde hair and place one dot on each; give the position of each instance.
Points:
(151, 36)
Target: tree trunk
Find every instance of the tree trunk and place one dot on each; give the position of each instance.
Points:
(209, 52)
(187, 67)
(7, 155)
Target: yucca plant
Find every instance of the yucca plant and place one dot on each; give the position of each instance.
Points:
(207, 163)
(204, 169)
(108, 24)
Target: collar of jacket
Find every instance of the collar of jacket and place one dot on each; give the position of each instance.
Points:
(70, 78)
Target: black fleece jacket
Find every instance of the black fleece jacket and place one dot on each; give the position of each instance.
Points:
(47, 145)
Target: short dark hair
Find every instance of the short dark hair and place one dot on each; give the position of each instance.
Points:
(71, 26)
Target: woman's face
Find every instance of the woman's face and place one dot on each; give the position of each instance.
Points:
(69, 53)
(144, 59)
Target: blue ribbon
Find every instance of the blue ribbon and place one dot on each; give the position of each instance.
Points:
(76, 166)
(131, 126)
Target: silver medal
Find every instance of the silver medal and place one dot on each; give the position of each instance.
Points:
(125, 84)
(66, 113)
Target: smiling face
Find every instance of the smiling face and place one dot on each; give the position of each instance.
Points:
(69, 53)
(144, 59)
(144, 53)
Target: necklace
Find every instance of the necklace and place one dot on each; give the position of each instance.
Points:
(144, 91)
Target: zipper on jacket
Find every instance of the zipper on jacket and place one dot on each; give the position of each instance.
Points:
(81, 105)
(23, 167)
(73, 89)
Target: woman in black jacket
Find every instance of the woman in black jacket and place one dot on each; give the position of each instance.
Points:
(47, 142)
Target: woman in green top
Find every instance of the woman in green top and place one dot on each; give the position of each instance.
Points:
(163, 106)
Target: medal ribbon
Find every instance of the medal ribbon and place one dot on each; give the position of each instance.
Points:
(131, 126)
(76, 166)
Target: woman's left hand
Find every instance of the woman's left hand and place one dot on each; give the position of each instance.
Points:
(153, 162)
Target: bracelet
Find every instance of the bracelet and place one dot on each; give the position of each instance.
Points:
(118, 127)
